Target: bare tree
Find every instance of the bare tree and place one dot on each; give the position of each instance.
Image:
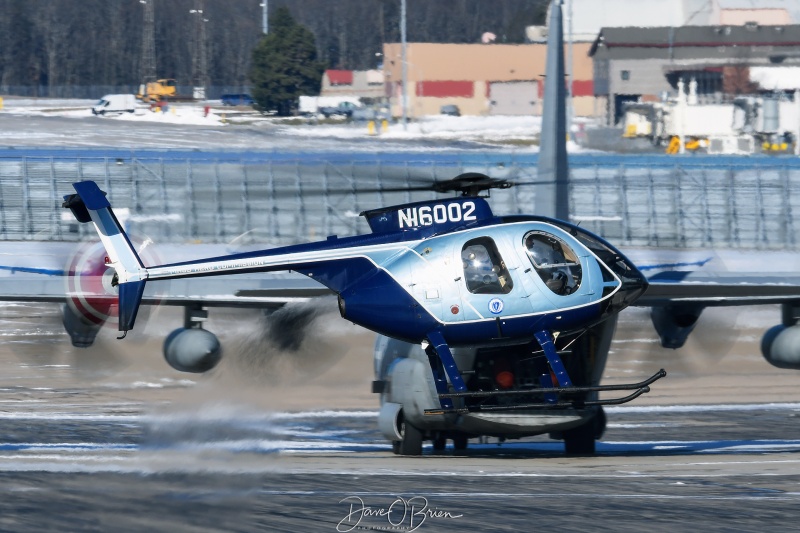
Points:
(99, 42)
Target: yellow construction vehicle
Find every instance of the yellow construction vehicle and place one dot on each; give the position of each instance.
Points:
(691, 144)
(156, 91)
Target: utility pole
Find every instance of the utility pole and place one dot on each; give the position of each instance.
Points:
(148, 58)
(404, 62)
(264, 17)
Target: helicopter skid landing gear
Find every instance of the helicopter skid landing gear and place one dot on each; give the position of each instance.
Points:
(565, 395)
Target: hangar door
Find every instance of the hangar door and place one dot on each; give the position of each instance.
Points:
(513, 98)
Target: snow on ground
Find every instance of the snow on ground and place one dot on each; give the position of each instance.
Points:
(521, 132)
(175, 114)
(493, 128)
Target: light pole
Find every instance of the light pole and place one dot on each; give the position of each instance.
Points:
(264, 20)
(148, 58)
(200, 59)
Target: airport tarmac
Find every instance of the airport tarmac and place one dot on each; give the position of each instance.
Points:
(112, 439)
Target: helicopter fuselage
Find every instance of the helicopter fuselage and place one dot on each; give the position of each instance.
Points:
(483, 280)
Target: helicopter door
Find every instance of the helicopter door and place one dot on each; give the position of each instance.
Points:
(488, 288)
(431, 284)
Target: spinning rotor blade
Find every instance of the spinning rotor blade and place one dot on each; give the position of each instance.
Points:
(468, 184)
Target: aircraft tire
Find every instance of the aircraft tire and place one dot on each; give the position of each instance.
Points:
(580, 440)
(439, 442)
(460, 443)
(396, 447)
(412, 439)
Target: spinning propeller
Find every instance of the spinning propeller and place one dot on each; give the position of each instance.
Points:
(89, 317)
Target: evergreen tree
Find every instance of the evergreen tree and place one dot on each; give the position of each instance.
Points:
(285, 65)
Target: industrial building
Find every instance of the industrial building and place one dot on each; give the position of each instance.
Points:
(645, 64)
(481, 79)
(620, 51)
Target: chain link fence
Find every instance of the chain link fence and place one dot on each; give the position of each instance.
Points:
(248, 197)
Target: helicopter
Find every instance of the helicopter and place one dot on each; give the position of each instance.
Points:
(512, 293)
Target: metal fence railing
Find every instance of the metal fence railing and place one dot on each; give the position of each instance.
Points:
(284, 198)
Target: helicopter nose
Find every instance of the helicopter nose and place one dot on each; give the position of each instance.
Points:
(634, 283)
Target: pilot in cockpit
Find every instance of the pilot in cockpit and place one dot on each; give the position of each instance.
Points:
(484, 270)
(547, 255)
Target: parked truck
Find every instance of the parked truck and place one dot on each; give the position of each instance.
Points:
(328, 105)
(115, 103)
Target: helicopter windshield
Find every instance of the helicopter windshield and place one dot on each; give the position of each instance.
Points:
(484, 270)
(554, 261)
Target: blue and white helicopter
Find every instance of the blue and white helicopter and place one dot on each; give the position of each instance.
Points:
(494, 301)
(489, 324)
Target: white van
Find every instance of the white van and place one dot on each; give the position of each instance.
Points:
(115, 103)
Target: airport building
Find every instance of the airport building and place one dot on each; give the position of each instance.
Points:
(645, 64)
(621, 51)
(481, 79)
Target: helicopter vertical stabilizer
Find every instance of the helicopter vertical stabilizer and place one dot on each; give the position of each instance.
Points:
(552, 198)
(91, 205)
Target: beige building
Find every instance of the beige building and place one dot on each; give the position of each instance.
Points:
(481, 79)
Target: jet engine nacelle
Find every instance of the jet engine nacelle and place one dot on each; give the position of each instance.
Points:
(192, 350)
(674, 323)
(780, 346)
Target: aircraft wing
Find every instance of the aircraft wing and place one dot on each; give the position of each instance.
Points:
(709, 289)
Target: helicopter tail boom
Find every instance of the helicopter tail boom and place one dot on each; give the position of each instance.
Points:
(90, 204)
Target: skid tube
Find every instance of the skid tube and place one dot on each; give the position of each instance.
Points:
(638, 388)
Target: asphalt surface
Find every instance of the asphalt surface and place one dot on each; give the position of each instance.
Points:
(112, 439)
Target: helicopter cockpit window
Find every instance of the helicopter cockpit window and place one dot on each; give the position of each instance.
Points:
(554, 261)
(484, 269)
